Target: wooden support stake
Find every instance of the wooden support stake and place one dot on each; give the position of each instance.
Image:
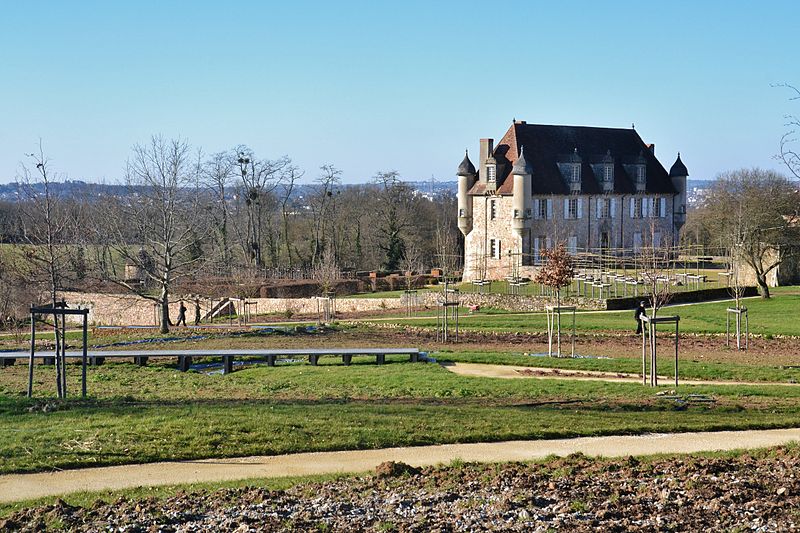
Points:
(30, 359)
(84, 354)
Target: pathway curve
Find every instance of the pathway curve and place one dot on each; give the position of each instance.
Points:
(18, 487)
(486, 370)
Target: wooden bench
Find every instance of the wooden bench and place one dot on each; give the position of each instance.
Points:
(185, 357)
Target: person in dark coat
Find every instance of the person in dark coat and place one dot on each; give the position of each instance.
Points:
(181, 315)
(197, 312)
(640, 311)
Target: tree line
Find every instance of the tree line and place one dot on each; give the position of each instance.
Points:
(230, 215)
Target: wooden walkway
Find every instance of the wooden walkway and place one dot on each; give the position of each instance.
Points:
(185, 357)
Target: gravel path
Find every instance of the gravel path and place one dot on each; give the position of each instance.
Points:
(746, 492)
(18, 487)
(485, 370)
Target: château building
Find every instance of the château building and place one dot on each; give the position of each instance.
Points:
(594, 189)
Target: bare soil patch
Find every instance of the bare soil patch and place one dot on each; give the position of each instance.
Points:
(748, 492)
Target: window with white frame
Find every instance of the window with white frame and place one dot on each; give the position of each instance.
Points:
(492, 209)
(572, 208)
(656, 210)
(637, 241)
(491, 172)
(604, 207)
(641, 173)
(494, 248)
(637, 211)
(572, 245)
(608, 173)
(543, 209)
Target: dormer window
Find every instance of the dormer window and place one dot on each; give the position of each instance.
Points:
(491, 172)
(575, 173)
(570, 168)
(641, 173)
(607, 167)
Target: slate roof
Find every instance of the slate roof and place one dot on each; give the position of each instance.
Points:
(546, 145)
(678, 168)
(466, 168)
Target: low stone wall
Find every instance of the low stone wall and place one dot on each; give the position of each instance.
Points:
(308, 306)
(130, 310)
(513, 303)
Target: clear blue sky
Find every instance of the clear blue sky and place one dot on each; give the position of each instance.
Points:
(405, 85)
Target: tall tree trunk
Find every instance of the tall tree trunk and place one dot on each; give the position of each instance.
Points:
(164, 301)
(763, 288)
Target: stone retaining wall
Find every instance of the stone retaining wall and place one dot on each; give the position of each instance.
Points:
(123, 309)
(513, 303)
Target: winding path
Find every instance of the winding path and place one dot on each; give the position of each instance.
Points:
(484, 370)
(20, 487)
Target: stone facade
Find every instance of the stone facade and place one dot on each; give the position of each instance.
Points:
(588, 232)
(592, 189)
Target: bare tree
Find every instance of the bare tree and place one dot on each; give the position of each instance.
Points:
(395, 207)
(764, 206)
(218, 174)
(447, 253)
(292, 175)
(47, 230)
(156, 228)
(655, 260)
(46, 227)
(16, 294)
(259, 178)
(321, 205)
(326, 272)
(788, 153)
(736, 232)
(412, 265)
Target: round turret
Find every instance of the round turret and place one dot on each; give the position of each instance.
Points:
(466, 179)
(522, 198)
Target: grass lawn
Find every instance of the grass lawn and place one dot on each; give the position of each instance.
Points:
(699, 370)
(767, 317)
(155, 413)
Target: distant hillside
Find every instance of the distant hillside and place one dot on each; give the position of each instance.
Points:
(11, 192)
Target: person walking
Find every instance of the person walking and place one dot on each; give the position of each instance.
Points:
(197, 312)
(181, 315)
(637, 315)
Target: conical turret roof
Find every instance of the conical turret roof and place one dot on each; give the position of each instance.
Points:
(678, 168)
(521, 166)
(466, 168)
